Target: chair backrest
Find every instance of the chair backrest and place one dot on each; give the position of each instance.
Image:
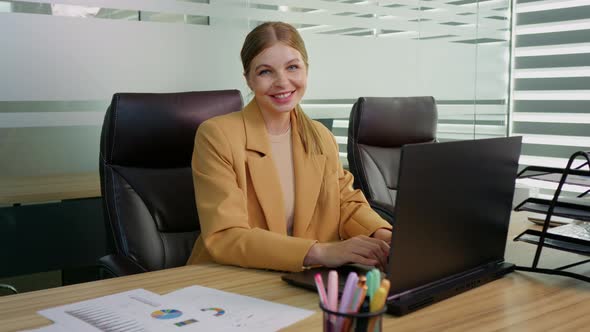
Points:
(145, 170)
(377, 129)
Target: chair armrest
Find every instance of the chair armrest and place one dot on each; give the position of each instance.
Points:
(117, 265)
(9, 288)
(383, 210)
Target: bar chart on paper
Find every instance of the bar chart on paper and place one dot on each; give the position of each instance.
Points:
(106, 320)
(133, 311)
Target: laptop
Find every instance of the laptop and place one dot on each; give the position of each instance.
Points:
(451, 219)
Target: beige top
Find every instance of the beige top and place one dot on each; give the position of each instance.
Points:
(282, 154)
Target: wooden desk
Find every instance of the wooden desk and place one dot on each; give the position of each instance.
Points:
(39, 189)
(519, 301)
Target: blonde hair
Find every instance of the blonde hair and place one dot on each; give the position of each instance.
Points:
(266, 35)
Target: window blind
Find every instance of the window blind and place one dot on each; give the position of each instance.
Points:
(551, 97)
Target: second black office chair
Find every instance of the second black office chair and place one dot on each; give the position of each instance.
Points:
(146, 180)
(378, 127)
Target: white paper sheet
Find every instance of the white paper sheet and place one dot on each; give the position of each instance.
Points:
(128, 311)
(223, 311)
(194, 308)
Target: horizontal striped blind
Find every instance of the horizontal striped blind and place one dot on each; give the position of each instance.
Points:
(551, 98)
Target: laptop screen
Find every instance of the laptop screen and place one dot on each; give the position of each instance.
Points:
(452, 209)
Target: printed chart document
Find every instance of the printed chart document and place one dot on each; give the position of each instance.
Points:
(223, 311)
(194, 308)
(128, 311)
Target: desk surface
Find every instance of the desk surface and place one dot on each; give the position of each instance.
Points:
(39, 189)
(519, 301)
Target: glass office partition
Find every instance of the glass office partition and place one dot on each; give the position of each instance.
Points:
(63, 60)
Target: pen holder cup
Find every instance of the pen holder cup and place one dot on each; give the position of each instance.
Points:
(352, 322)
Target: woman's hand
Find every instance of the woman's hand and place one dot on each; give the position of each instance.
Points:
(359, 249)
(383, 234)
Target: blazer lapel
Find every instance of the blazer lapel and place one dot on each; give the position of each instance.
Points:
(263, 172)
(309, 171)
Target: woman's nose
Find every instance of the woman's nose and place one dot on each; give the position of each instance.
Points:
(280, 79)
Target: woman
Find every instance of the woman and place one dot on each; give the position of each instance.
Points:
(270, 189)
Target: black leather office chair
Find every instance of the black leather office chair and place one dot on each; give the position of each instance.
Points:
(378, 127)
(8, 288)
(146, 180)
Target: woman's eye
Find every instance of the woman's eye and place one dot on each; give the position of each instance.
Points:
(263, 72)
(292, 67)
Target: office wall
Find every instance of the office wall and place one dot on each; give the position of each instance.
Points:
(62, 60)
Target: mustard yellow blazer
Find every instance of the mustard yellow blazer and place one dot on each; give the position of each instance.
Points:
(239, 197)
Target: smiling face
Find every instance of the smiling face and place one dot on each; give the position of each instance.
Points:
(278, 79)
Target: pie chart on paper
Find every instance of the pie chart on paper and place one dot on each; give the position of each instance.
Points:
(166, 314)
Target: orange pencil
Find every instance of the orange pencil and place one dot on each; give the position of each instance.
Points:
(362, 281)
(385, 284)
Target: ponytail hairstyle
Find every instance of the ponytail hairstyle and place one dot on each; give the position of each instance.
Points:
(264, 36)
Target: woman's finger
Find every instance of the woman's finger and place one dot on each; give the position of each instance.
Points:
(379, 247)
(369, 250)
(358, 259)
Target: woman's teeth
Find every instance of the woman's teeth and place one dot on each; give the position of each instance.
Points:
(283, 95)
